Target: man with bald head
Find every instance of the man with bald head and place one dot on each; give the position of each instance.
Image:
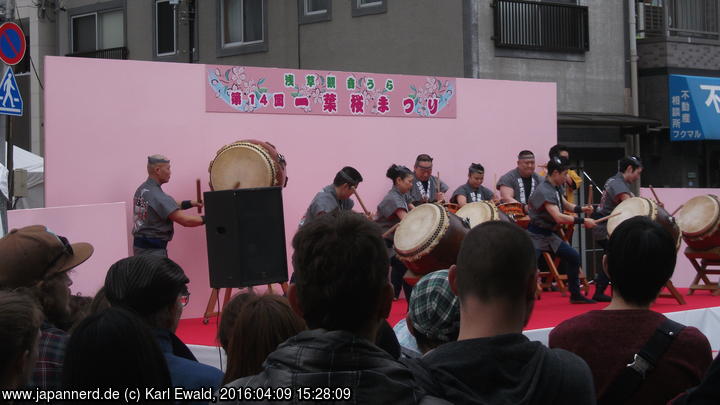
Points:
(154, 211)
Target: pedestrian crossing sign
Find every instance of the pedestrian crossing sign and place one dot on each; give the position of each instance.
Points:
(10, 101)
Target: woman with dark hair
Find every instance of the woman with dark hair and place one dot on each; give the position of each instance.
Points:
(229, 316)
(391, 210)
(264, 323)
(20, 320)
(114, 349)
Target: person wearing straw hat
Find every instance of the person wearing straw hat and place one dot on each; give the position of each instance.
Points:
(38, 261)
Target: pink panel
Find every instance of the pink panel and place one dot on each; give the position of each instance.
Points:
(102, 225)
(674, 198)
(104, 117)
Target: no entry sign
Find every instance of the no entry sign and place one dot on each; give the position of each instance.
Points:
(12, 43)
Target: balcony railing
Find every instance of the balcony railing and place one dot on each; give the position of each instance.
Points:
(541, 26)
(110, 53)
(681, 18)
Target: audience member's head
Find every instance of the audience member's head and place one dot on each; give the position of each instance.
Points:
(264, 322)
(496, 267)
(20, 320)
(640, 259)
(433, 312)
(341, 269)
(229, 316)
(37, 259)
(114, 349)
(99, 302)
(79, 309)
(151, 286)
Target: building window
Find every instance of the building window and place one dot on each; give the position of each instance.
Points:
(368, 7)
(242, 27)
(98, 30)
(165, 28)
(311, 11)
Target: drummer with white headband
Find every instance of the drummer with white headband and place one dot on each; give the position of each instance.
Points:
(518, 184)
(617, 189)
(473, 190)
(425, 186)
(154, 211)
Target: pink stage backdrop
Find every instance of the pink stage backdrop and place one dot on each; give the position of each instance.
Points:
(103, 117)
(673, 198)
(102, 225)
(290, 91)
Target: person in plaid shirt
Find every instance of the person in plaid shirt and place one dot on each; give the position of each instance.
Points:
(37, 261)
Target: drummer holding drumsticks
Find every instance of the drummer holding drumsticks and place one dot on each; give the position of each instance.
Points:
(335, 196)
(425, 186)
(154, 211)
(546, 208)
(391, 210)
(616, 190)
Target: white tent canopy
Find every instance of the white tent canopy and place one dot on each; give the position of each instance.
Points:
(35, 166)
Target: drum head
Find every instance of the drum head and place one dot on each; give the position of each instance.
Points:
(632, 207)
(477, 213)
(420, 228)
(241, 165)
(699, 215)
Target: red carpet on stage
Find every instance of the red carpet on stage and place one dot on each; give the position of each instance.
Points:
(549, 311)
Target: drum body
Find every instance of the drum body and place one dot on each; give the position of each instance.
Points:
(515, 212)
(699, 220)
(481, 211)
(247, 164)
(429, 238)
(639, 206)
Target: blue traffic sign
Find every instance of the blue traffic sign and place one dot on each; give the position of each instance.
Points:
(10, 101)
(12, 43)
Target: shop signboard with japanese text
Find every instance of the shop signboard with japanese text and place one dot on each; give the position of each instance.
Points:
(291, 91)
(694, 110)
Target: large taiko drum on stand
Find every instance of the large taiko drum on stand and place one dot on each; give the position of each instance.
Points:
(699, 220)
(429, 238)
(639, 206)
(481, 211)
(247, 164)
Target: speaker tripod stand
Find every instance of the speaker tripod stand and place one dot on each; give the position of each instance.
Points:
(213, 301)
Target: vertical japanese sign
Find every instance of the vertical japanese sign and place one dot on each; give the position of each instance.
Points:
(694, 110)
(291, 91)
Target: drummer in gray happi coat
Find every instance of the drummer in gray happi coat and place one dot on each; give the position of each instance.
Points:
(425, 185)
(518, 184)
(473, 190)
(335, 196)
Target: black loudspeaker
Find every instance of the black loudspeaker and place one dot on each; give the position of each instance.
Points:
(245, 231)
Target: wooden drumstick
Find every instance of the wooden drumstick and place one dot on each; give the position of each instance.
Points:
(654, 194)
(439, 190)
(361, 202)
(677, 209)
(591, 195)
(603, 219)
(199, 195)
(391, 230)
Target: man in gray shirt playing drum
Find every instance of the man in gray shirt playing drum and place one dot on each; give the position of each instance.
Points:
(335, 196)
(425, 185)
(518, 184)
(154, 211)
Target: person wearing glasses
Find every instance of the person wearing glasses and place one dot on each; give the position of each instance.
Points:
(518, 184)
(335, 196)
(617, 189)
(154, 212)
(155, 288)
(425, 185)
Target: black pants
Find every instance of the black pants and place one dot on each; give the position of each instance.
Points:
(571, 258)
(396, 278)
(601, 279)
